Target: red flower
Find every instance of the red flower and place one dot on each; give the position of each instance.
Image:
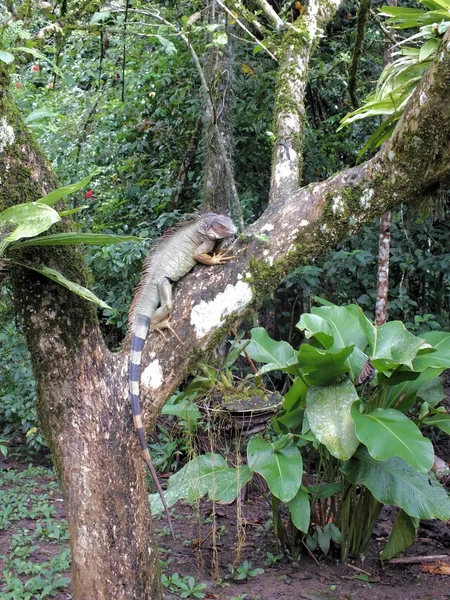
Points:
(36, 68)
(89, 194)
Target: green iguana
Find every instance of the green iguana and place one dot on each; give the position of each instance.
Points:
(174, 255)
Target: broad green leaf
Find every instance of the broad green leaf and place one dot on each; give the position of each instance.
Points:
(300, 510)
(25, 220)
(6, 57)
(388, 432)
(184, 409)
(394, 346)
(322, 367)
(264, 349)
(56, 195)
(316, 326)
(343, 327)
(329, 414)
(437, 358)
(205, 474)
(432, 392)
(291, 416)
(64, 239)
(282, 469)
(395, 482)
(440, 420)
(402, 388)
(76, 288)
(403, 534)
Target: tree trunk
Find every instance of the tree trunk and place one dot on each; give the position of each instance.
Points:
(217, 187)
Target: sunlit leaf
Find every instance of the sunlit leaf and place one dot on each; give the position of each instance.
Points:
(24, 221)
(388, 432)
(6, 57)
(64, 239)
(329, 414)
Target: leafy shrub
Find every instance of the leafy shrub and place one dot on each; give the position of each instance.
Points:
(17, 386)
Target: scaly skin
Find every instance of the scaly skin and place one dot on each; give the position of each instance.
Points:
(174, 256)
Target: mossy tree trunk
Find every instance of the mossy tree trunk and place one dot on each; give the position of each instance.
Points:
(83, 399)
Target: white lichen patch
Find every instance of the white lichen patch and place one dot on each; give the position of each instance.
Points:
(152, 375)
(206, 316)
(391, 155)
(267, 227)
(269, 260)
(366, 196)
(7, 136)
(266, 252)
(338, 205)
(303, 223)
(422, 98)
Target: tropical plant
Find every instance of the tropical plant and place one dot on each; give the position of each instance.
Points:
(362, 432)
(400, 78)
(30, 219)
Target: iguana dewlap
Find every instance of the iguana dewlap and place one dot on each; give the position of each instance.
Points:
(174, 255)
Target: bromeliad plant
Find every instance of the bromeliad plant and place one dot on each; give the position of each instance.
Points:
(366, 433)
(412, 57)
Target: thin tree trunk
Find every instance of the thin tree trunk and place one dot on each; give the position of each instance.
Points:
(385, 233)
(217, 188)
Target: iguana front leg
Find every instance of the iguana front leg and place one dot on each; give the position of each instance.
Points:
(218, 258)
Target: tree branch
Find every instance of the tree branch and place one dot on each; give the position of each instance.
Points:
(303, 224)
(293, 56)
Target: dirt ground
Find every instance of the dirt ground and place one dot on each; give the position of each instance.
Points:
(310, 577)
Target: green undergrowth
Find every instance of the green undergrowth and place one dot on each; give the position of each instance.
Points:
(34, 552)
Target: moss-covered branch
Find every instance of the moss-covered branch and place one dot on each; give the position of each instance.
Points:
(293, 55)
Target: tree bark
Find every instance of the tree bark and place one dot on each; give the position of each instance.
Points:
(83, 397)
(217, 187)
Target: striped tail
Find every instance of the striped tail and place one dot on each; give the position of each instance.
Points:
(140, 331)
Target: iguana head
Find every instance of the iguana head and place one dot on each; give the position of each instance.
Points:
(217, 227)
